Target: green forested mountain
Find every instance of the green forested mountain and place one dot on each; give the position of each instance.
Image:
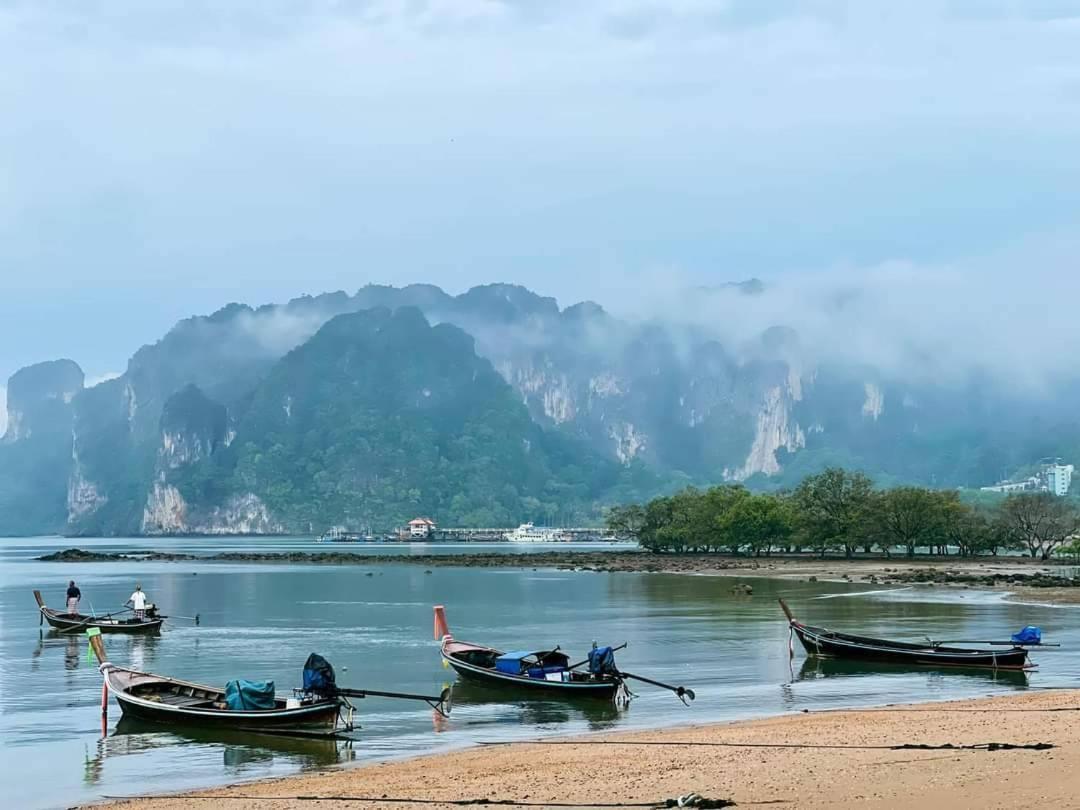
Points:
(380, 417)
(495, 406)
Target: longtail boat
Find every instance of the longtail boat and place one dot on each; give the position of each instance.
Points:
(541, 671)
(321, 708)
(821, 642)
(108, 623)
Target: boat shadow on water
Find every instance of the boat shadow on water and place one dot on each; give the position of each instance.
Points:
(239, 749)
(816, 668)
(534, 709)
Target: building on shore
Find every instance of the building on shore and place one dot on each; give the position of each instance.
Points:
(1058, 477)
(421, 528)
(1054, 477)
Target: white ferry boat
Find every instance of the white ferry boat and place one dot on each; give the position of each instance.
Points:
(528, 533)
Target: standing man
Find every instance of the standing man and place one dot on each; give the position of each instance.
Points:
(73, 597)
(138, 602)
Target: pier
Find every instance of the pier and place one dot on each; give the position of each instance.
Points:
(580, 534)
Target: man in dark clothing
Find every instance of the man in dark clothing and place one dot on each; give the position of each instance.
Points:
(73, 597)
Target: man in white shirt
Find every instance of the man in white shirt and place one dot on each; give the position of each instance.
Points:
(138, 602)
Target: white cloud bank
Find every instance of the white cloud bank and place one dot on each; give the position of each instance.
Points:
(180, 154)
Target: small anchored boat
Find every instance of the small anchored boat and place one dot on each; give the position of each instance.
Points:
(106, 623)
(320, 708)
(538, 671)
(818, 641)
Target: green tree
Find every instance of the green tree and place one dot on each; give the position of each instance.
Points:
(908, 517)
(1039, 521)
(756, 523)
(831, 509)
(625, 521)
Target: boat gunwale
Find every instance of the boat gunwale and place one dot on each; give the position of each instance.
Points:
(938, 656)
(122, 696)
(65, 621)
(607, 685)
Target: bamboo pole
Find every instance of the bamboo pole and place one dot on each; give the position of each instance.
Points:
(787, 610)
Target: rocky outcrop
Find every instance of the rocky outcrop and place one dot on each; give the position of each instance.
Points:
(39, 400)
(193, 427)
(775, 430)
(83, 498)
(874, 404)
(242, 514)
(165, 511)
(629, 443)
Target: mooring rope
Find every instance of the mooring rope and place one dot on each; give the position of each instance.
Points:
(686, 800)
(988, 746)
(899, 709)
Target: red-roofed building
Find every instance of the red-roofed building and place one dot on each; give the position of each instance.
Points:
(421, 528)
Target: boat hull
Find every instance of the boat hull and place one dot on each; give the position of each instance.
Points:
(64, 621)
(490, 677)
(140, 697)
(820, 642)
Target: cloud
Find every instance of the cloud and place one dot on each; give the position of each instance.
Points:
(97, 379)
(1008, 317)
(178, 154)
(277, 331)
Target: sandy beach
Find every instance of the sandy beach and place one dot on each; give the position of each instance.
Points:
(863, 768)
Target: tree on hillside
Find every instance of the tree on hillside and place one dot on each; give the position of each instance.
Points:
(756, 523)
(832, 508)
(908, 517)
(1039, 521)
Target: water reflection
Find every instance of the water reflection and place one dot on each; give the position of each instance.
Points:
(71, 651)
(814, 668)
(239, 749)
(530, 710)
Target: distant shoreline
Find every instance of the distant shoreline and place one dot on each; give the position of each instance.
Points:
(1021, 575)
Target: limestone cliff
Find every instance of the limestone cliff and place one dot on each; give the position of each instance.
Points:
(192, 427)
(39, 399)
(167, 513)
(775, 430)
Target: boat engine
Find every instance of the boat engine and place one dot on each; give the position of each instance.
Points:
(602, 661)
(319, 677)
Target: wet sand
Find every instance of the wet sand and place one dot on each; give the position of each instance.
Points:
(609, 768)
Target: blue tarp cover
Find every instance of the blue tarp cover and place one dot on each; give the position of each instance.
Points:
(1029, 635)
(510, 662)
(241, 695)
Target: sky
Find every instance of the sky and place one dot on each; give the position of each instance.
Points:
(159, 160)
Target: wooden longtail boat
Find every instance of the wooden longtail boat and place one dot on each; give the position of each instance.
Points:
(161, 699)
(534, 671)
(818, 641)
(71, 622)
(321, 708)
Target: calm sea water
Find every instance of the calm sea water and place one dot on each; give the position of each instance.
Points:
(374, 623)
